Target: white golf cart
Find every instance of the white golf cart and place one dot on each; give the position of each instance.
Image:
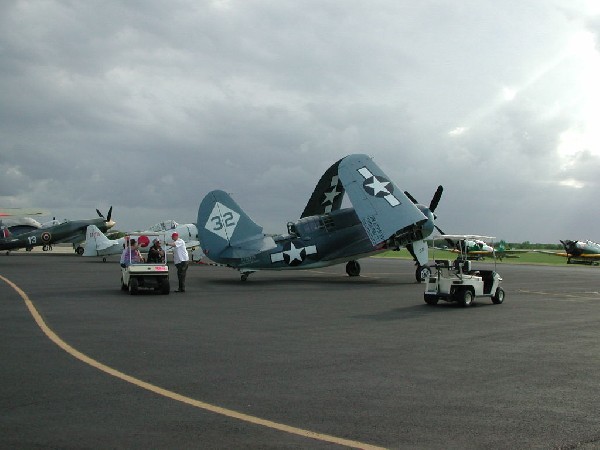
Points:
(457, 281)
(145, 277)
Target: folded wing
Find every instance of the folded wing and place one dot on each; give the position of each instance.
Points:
(383, 209)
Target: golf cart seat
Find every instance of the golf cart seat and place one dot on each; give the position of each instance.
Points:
(465, 265)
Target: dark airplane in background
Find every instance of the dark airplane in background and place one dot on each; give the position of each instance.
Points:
(69, 231)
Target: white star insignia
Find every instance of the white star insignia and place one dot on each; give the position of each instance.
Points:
(378, 186)
(330, 196)
(294, 253)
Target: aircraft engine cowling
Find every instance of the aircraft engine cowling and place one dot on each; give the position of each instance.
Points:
(428, 226)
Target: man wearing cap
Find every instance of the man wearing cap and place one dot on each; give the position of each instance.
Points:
(156, 255)
(181, 258)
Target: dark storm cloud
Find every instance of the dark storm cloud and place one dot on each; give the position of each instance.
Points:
(147, 106)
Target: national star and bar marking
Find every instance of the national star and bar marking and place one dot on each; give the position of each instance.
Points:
(378, 187)
(293, 254)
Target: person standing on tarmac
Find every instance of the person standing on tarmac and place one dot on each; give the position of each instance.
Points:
(181, 258)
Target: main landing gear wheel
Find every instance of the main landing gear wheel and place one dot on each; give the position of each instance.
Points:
(244, 276)
(422, 273)
(353, 268)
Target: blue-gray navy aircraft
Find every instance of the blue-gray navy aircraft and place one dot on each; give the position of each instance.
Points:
(55, 232)
(382, 218)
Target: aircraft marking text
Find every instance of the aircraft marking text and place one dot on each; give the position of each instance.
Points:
(222, 221)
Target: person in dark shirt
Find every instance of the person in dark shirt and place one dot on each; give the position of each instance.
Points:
(156, 255)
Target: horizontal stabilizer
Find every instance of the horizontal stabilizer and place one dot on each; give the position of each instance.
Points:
(383, 209)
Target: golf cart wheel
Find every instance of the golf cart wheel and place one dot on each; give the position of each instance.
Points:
(422, 273)
(165, 287)
(353, 268)
(498, 297)
(430, 299)
(466, 298)
(133, 286)
(123, 285)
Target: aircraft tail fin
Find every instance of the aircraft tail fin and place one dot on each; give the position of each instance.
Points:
(226, 232)
(95, 241)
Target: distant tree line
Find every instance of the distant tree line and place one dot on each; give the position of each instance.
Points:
(529, 246)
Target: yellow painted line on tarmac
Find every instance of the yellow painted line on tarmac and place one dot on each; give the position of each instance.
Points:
(173, 395)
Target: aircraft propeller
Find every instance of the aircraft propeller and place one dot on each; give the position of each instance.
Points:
(436, 198)
(109, 223)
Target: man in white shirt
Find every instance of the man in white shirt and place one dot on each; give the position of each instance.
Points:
(181, 258)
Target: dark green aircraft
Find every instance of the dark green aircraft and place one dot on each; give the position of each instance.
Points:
(72, 231)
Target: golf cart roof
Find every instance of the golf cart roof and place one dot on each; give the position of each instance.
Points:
(458, 237)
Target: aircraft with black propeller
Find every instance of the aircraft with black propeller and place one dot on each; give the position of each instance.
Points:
(578, 252)
(382, 217)
(476, 249)
(54, 232)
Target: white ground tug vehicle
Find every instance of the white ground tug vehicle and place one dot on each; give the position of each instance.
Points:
(146, 277)
(456, 281)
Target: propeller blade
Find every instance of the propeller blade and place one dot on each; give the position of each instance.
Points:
(99, 213)
(109, 214)
(410, 197)
(436, 198)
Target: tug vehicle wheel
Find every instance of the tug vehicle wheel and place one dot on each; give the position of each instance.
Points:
(466, 298)
(498, 297)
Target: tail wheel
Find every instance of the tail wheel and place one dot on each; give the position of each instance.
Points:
(498, 297)
(422, 273)
(353, 268)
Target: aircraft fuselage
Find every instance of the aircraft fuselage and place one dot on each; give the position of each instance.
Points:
(315, 241)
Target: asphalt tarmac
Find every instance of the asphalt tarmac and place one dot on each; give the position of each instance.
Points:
(296, 360)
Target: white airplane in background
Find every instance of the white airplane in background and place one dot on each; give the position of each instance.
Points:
(97, 244)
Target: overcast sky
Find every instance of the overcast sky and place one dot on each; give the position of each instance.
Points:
(149, 105)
